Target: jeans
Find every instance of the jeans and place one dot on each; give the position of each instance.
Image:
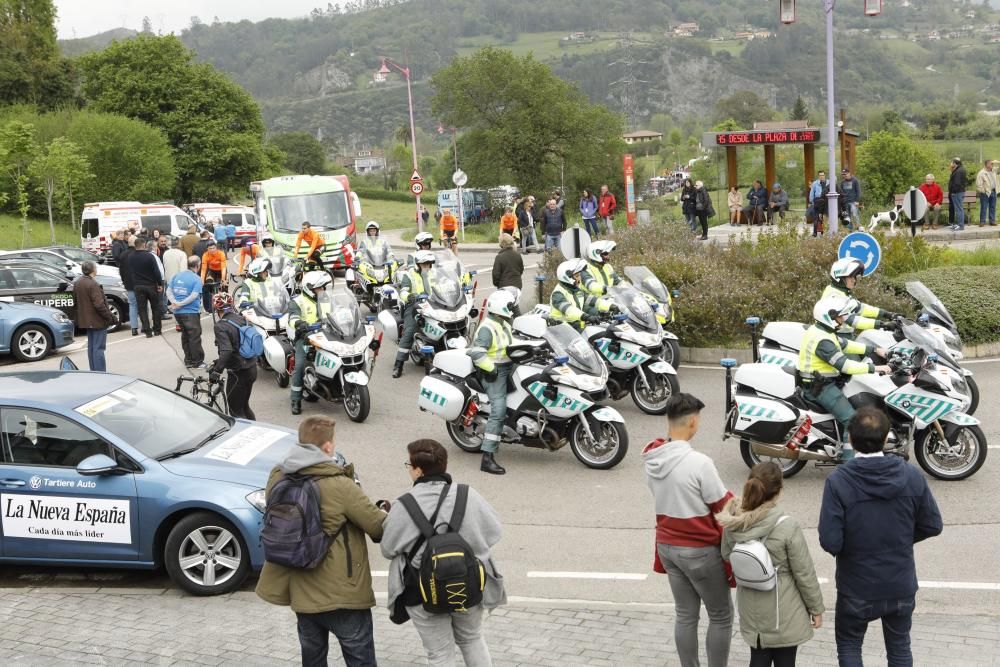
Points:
(609, 224)
(692, 221)
(988, 203)
(353, 629)
(190, 324)
(551, 242)
(697, 575)
(958, 209)
(855, 213)
(147, 299)
(851, 622)
(97, 342)
(590, 224)
(133, 310)
(441, 632)
(832, 398)
(409, 331)
(496, 390)
(239, 384)
(528, 238)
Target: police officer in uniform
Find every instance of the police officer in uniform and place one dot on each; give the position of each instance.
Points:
(413, 284)
(258, 272)
(489, 354)
(423, 241)
(303, 311)
(844, 276)
(600, 275)
(571, 303)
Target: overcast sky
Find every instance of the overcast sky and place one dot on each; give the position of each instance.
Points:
(82, 18)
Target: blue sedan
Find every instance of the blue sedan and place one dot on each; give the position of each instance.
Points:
(105, 470)
(31, 332)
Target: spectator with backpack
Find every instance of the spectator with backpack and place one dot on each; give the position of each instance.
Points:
(777, 591)
(236, 343)
(316, 555)
(442, 518)
(818, 192)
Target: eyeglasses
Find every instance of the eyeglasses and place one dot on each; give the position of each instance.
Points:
(408, 465)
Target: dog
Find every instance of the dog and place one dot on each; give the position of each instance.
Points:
(890, 216)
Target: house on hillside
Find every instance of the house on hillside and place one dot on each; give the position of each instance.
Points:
(686, 30)
(641, 137)
(365, 161)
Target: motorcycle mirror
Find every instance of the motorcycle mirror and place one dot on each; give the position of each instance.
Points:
(621, 317)
(427, 350)
(932, 358)
(752, 321)
(561, 360)
(370, 319)
(923, 319)
(728, 363)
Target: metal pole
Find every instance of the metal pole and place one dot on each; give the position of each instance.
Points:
(831, 141)
(413, 141)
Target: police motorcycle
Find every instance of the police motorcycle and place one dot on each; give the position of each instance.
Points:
(775, 421)
(553, 398)
(660, 299)
(269, 315)
(371, 274)
(339, 360)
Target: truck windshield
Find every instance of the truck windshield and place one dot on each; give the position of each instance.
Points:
(326, 209)
(90, 229)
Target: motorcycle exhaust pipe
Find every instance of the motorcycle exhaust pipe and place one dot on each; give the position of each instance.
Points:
(783, 452)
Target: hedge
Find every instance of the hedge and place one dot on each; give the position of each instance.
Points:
(970, 295)
(391, 195)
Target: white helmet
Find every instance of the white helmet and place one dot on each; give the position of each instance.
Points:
(500, 303)
(570, 268)
(265, 238)
(372, 224)
(424, 257)
(259, 266)
(598, 248)
(423, 237)
(314, 280)
(828, 309)
(845, 268)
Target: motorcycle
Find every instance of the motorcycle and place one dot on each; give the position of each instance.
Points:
(553, 397)
(371, 273)
(660, 299)
(269, 314)
(774, 420)
(340, 360)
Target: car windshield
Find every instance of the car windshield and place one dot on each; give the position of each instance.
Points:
(446, 289)
(79, 255)
(931, 303)
(646, 281)
(273, 300)
(326, 209)
(153, 420)
(377, 256)
(640, 313)
(565, 341)
(929, 343)
(341, 315)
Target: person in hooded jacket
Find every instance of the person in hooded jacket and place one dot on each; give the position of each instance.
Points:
(774, 623)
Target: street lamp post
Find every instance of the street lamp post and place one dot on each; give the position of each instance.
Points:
(405, 71)
(831, 128)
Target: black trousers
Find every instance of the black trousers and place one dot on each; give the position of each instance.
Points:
(779, 657)
(148, 298)
(190, 324)
(239, 384)
(703, 220)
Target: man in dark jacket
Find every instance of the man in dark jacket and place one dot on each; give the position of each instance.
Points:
(189, 240)
(147, 281)
(199, 248)
(956, 194)
(874, 509)
(126, 275)
(118, 246)
(553, 223)
(242, 372)
(508, 267)
(92, 314)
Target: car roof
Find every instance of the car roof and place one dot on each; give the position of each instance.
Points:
(65, 389)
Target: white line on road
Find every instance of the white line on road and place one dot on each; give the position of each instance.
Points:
(991, 360)
(616, 576)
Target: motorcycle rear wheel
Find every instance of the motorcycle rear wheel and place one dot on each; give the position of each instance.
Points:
(651, 400)
(789, 467)
(282, 379)
(357, 402)
(972, 443)
(465, 438)
(613, 435)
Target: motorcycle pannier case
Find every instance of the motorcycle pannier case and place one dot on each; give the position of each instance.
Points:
(442, 398)
(763, 420)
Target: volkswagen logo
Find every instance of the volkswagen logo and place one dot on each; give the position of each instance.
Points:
(35, 482)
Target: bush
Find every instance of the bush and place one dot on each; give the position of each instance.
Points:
(390, 195)
(968, 292)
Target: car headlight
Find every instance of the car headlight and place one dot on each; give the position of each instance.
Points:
(257, 499)
(61, 318)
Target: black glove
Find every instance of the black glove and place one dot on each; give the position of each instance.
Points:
(887, 324)
(891, 316)
(300, 328)
(614, 309)
(590, 319)
(214, 376)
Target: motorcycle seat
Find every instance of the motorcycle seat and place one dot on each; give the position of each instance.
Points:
(475, 384)
(800, 401)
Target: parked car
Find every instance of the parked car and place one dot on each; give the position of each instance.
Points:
(31, 332)
(26, 281)
(58, 260)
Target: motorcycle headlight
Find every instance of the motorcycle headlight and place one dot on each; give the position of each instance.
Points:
(959, 384)
(60, 318)
(257, 500)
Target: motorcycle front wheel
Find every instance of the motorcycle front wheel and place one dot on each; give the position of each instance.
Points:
(653, 399)
(357, 402)
(283, 379)
(465, 438)
(671, 352)
(973, 394)
(789, 467)
(959, 458)
(604, 452)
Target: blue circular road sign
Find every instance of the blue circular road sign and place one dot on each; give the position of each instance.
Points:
(863, 247)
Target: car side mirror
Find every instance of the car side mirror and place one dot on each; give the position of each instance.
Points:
(98, 464)
(62, 286)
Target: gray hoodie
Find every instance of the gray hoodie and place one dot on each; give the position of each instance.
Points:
(303, 455)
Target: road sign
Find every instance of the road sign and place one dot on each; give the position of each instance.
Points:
(574, 242)
(914, 204)
(459, 178)
(415, 177)
(417, 187)
(863, 247)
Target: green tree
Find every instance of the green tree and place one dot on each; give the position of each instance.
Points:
(890, 163)
(18, 149)
(303, 153)
(799, 111)
(523, 124)
(214, 127)
(57, 169)
(31, 68)
(745, 107)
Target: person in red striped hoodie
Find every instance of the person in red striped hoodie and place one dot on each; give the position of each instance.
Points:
(688, 493)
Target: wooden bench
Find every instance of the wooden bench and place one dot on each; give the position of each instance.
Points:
(969, 199)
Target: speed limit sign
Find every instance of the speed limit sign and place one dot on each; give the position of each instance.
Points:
(416, 187)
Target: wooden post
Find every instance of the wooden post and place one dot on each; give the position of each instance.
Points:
(731, 176)
(770, 174)
(809, 164)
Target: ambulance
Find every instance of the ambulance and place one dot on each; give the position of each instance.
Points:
(100, 220)
(242, 217)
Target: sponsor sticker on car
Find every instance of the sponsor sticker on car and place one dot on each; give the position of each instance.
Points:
(242, 448)
(66, 518)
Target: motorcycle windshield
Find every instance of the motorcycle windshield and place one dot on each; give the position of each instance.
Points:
(446, 260)
(645, 281)
(341, 315)
(931, 303)
(446, 289)
(929, 344)
(634, 304)
(278, 263)
(565, 341)
(377, 256)
(273, 301)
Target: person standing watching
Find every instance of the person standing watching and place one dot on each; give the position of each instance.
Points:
(189, 239)
(687, 494)
(553, 224)
(230, 237)
(92, 314)
(199, 248)
(219, 230)
(183, 294)
(118, 246)
(588, 211)
(526, 224)
(956, 194)
(242, 372)
(126, 275)
(874, 509)
(986, 189)
(850, 191)
(935, 197)
(606, 207)
(336, 596)
(703, 207)
(174, 261)
(508, 267)
(147, 279)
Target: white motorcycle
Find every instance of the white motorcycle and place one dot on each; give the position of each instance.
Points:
(553, 397)
(659, 298)
(339, 360)
(371, 274)
(269, 315)
(775, 421)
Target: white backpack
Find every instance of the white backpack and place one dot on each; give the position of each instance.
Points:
(752, 565)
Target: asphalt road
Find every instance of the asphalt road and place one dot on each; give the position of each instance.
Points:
(571, 532)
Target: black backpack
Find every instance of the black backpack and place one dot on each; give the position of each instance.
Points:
(819, 203)
(451, 578)
(292, 530)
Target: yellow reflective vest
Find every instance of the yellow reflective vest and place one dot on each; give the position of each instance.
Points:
(500, 337)
(599, 277)
(832, 360)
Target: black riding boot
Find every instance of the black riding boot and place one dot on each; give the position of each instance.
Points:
(490, 465)
(296, 406)
(397, 369)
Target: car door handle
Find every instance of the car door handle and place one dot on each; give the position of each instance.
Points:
(12, 482)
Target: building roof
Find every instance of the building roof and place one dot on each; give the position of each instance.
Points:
(642, 134)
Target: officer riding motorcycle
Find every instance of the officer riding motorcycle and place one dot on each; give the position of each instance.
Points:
(600, 275)
(303, 312)
(253, 288)
(571, 303)
(489, 354)
(844, 275)
(414, 283)
(423, 241)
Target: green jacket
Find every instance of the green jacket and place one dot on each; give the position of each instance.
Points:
(797, 591)
(328, 586)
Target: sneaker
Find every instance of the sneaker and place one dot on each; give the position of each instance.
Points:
(198, 367)
(953, 227)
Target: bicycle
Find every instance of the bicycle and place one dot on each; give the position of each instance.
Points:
(206, 392)
(450, 242)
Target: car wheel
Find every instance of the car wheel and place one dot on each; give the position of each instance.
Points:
(32, 342)
(117, 308)
(206, 555)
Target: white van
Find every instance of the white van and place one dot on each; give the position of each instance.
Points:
(101, 220)
(242, 217)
